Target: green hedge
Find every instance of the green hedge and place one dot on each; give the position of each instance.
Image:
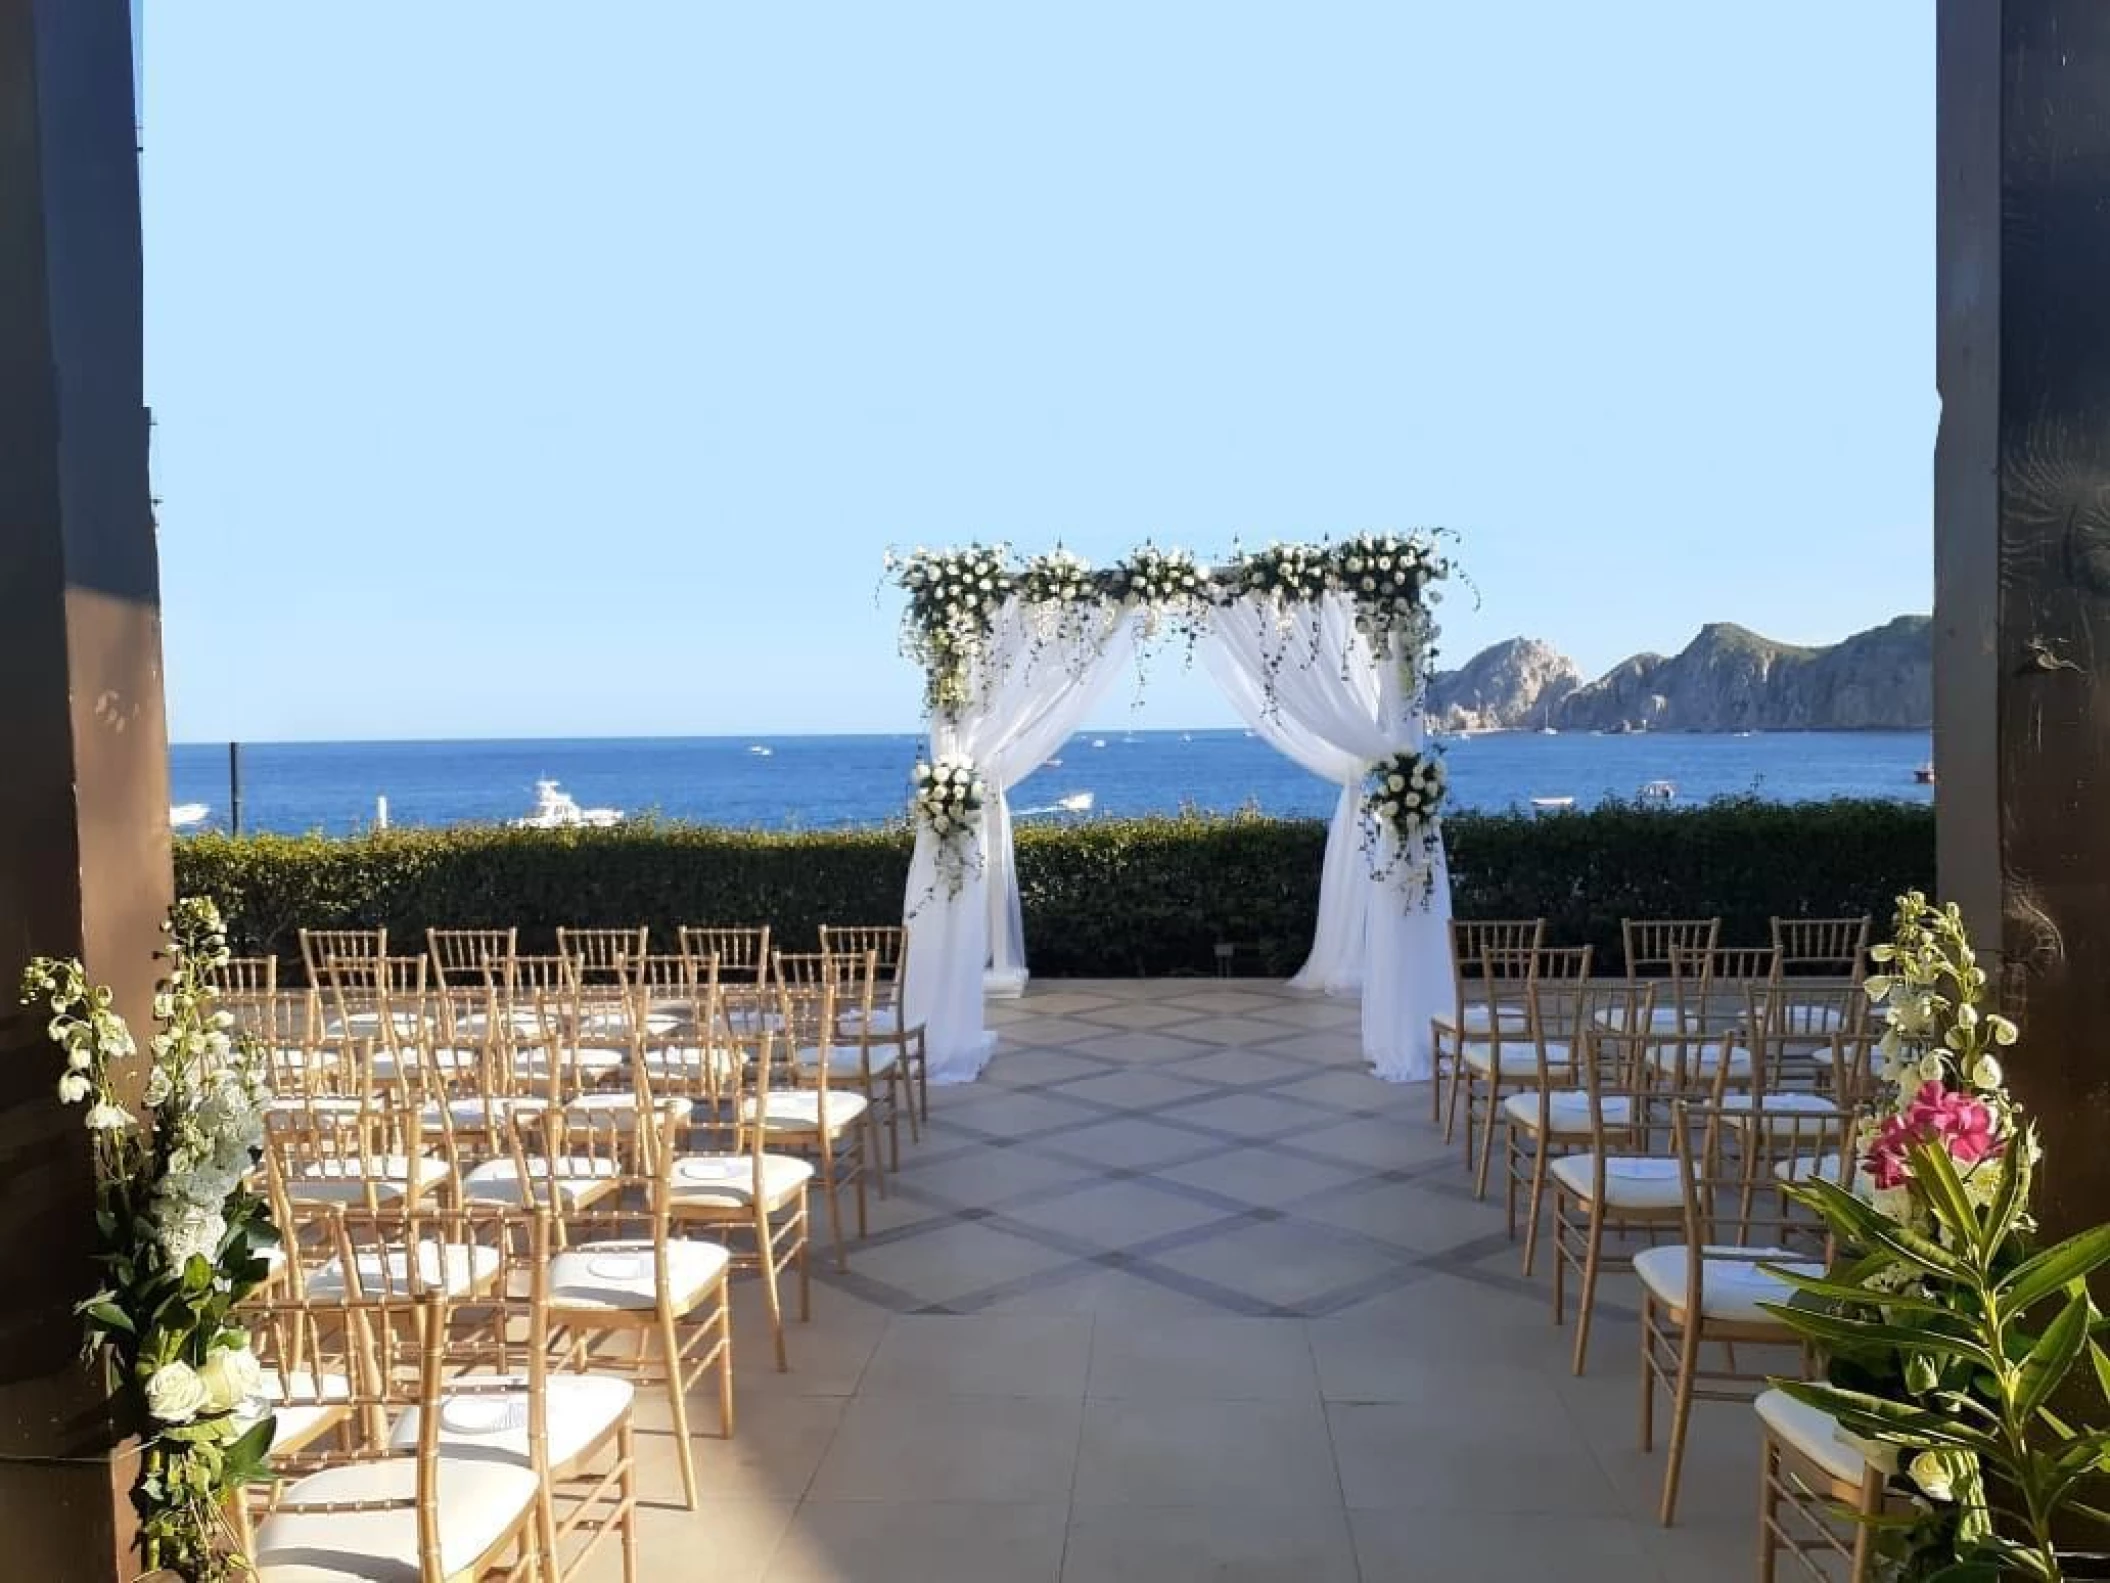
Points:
(1107, 898)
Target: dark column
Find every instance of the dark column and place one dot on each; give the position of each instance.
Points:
(84, 841)
(2022, 547)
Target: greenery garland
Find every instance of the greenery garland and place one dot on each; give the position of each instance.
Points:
(182, 1236)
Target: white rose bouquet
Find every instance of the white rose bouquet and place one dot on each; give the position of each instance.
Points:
(182, 1235)
(1280, 587)
(953, 600)
(948, 802)
(1391, 578)
(1405, 799)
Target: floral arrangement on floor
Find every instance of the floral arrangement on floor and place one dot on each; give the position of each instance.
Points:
(1947, 1334)
(1405, 801)
(182, 1236)
(1391, 578)
(953, 599)
(948, 803)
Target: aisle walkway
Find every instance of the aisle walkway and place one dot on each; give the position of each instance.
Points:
(1179, 1292)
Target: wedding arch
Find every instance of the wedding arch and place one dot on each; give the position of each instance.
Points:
(1322, 649)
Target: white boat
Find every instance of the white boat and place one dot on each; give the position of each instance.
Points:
(1098, 742)
(1660, 791)
(555, 810)
(761, 752)
(1552, 804)
(1548, 731)
(1076, 802)
(185, 813)
(1051, 764)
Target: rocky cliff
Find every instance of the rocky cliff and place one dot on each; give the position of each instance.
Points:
(1727, 679)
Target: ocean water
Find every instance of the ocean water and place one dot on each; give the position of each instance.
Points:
(823, 782)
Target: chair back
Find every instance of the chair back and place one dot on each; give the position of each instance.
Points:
(1823, 947)
(460, 956)
(1650, 943)
(1731, 1196)
(742, 952)
(346, 945)
(604, 955)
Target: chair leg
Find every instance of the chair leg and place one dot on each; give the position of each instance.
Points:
(1560, 1257)
(765, 1241)
(1586, 1305)
(1768, 1505)
(723, 1318)
(678, 1400)
(1487, 1135)
(805, 1257)
(1538, 1197)
(1648, 1373)
(626, 1448)
(1450, 1117)
(1680, 1418)
(835, 1208)
(864, 1144)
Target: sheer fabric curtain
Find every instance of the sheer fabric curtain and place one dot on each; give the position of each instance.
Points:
(1339, 706)
(1023, 702)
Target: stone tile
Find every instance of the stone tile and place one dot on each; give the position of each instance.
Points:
(1210, 1000)
(1384, 1144)
(1438, 1547)
(1138, 1014)
(916, 1542)
(743, 1535)
(1041, 1029)
(1408, 1215)
(962, 1258)
(1227, 1030)
(1207, 1544)
(1130, 1090)
(1215, 1359)
(772, 1456)
(1145, 1047)
(1043, 1068)
(1447, 1455)
(1251, 1116)
(1284, 1264)
(1013, 1449)
(1257, 1455)
(1116, 1214)
(981, 1355)
(1061, 998)
(1240, 1065)
(1127, 1142)
(1262, 1176)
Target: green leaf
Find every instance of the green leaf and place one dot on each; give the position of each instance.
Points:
(1844, 1328)
(2075, 1259)
(2052, 1357)
(1863, 1226)
(1854, 1294)
(1878, 1417)
(1952, 1206)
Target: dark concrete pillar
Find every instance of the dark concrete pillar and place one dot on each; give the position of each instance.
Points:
(84, 840)
(2022, 547)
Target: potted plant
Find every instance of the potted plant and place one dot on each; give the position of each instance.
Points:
(1962, 1356)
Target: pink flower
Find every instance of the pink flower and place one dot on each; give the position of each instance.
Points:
(1962, 1124)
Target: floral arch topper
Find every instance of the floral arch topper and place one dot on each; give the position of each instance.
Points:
(1324, 647)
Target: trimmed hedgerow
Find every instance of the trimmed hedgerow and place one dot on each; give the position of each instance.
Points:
(1105, 898)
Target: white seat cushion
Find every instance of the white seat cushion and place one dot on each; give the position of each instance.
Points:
(726, 1181)
(1731, 1286)
(747, 1019)
(298, 1422)
(578, 1409)
(575, 1179)
(1700, 1060)
(847, 1060)
(588, 1060)
(618, 1277)
(1818, 1167)
(799, 1109)
(619, 1024)
(346, 1181)
(1514, 1057)
(1816, 1435)
(1789, 1111)
(1568, 1110)
(1476, 1018)
(883, 1022)
(455, 1268)
(471, 1114)
(479, 1502)
(1630, 1181)
(618, 1111)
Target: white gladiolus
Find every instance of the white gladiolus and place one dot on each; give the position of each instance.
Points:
(175, 1394)
(73, 1088)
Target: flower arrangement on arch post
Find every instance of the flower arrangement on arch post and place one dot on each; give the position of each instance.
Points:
(1405, 799)
(948, 803)
(1953, 1344)
(953, 600)
(181, 1236)
(1391, 579)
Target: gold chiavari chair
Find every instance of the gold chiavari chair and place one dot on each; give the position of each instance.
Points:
(1812, 1470)
(504, 1402)
(725, 1182)
(1822, 947)
(887, 1029)
(1708, 993)
(362, 1144)
(1614, 1186)
(461, 956)
(868, 1047)
(387, 1002)
(380, 1512)
(1471, 939)
(1650, 943)
(347, 945)
(572, 1049)
(747, 997)
(1712, 1287)
(1551, 1115)
(1489, 1065)
(800, 1107)
(623, 1272)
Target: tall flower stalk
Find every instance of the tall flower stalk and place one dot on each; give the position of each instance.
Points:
(181, 1235)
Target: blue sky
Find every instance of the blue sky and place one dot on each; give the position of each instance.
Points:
(520, 374)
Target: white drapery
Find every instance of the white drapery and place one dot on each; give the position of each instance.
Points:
(1030, 691)
(1337, 707)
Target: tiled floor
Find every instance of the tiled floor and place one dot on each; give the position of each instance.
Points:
(1178, 1291)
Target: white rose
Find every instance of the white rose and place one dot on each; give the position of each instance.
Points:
(940, 823)
(1395, 782)
(231, 1376)
(1388, 808)
(1369, 585)
(175, 1394)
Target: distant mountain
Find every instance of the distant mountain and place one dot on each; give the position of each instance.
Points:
(1728, 678)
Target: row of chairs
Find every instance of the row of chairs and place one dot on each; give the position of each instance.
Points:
(1652, 1123)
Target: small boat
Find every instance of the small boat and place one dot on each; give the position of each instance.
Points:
(1051, 764)
(1076, 802)
(1660, 791)
(761, 752)
(1549, 731)
(187, 813)
(555, 810)
(1098, 742)
(1552, 804)
(1924, 774)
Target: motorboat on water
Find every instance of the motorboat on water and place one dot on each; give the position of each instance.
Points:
(1076, 802)
(1924, 774)
(1552, 804)
(1659, 791)
(187, 813)
(555, 810)
(761, 752)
